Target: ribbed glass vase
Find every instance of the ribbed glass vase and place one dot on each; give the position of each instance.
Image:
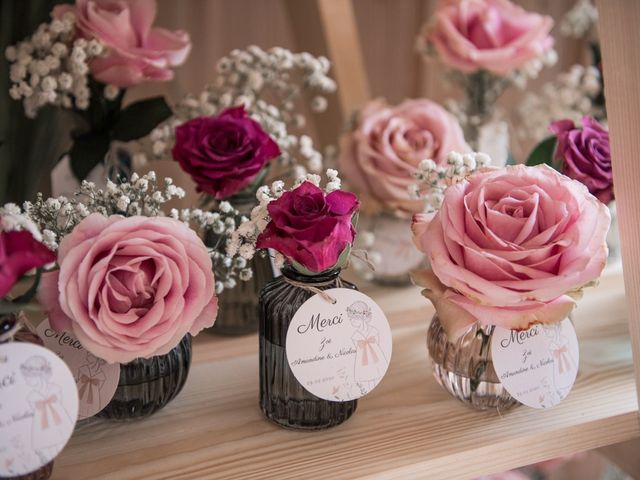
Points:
(148, 384)
(465, 368)
(238, 309)
(282, 398)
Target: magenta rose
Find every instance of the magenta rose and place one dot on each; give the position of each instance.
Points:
(225, 153)
(585, 155)
(309, 227)
(136, 51)
(19, 253)
(509, 246)
(493, 35)
(381, 154)
(130, 287)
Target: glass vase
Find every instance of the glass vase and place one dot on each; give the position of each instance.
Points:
(238, 309)
(148, 384)
(465, 368)
(393, 252)
(282, 398)
(43, 473)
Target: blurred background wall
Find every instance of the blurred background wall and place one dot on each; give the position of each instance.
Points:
(387, 30)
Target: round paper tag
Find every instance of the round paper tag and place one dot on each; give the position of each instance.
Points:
(392, 238)
(38, 407)
(96, 379)
(537, 366)
(339, 351)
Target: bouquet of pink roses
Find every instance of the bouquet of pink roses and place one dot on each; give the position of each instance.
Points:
(84, 59)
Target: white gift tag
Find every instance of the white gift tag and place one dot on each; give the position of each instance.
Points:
(38, 407)
(392, 239)
(339, 351)
(537, 366)
(96, 379)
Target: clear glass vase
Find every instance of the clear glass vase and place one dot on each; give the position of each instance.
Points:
(238, 309)
(465, 368)
(282, 398)
(392, 252)
(148, 384)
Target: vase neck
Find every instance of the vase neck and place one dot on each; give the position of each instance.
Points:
(9, 325)
(328, 276)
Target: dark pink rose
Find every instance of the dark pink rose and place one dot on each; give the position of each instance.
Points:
(130, 287)
(136, 51)
(19, 253)
(310, 227)
(493, 35)
(225, 153)
(585, 155)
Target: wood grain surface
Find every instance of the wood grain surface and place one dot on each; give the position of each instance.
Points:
(407, 428)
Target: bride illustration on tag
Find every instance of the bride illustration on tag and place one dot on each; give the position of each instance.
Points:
(51, 422)
(90, 379)
(370, 361)
(564, 365)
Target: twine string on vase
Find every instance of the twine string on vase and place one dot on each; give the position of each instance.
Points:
(314, 288)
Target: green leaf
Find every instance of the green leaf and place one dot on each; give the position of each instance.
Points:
(543, 153)
(88, 151)
(139, 118)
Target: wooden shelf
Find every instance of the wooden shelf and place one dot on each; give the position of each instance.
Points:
(407, 428)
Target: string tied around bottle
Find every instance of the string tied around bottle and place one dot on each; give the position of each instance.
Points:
(363, 256)
(314, 288)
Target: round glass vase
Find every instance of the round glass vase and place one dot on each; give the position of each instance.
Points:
(393, 251)
(11, 331)
(148, 384)
(238, 309)
(282, 398)
(464, 368)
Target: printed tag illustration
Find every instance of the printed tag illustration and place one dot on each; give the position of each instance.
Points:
(38, 407)
(96, 379)
(339, 351)
(537, 366)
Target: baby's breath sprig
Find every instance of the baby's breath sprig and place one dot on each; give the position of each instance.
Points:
(270, 85)
(52, 67)
(140, 195)
(434, 179)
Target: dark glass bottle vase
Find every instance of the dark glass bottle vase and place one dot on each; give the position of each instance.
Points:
(43, 473)
(238, 309)
(282, 398)
(148, 384)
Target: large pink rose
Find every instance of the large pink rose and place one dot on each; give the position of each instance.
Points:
(380, 155)
(493, 35)
(509, 246)
(130, 287)
(137, 51)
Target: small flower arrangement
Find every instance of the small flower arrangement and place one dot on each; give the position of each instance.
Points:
(21, 251)
(77, 62)
(511, 247)
(309, 228)
(488, 45)
(581, 152)
(129, 282)
(253, 87)
(383, 151)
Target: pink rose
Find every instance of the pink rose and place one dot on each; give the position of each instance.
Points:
(130, 287)
(380, 156)
(509, 246)
(19, 253)
(309, 227)
(493, 35)
(137, 51)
